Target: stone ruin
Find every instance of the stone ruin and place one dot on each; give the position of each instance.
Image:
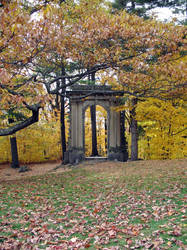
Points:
(81, 97)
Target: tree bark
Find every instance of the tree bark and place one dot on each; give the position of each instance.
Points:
(93, 123)
(14, 152)
(123, 142)
(63, 129)
(94, 130)
(133, 5)
(134, 131)
(106, 136)
(62, 115)
(122, 129)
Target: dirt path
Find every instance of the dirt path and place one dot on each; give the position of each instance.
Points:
(7, 173)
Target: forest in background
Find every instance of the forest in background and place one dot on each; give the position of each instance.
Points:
(162, 134)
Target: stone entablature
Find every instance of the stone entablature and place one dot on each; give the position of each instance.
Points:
(92, 90)
(81, 97)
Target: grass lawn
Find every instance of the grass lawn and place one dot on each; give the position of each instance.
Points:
(133, 205)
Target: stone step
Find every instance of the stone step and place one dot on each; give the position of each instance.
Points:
(96, 158)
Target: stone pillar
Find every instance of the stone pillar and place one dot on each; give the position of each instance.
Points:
(115, 151)
(114, 132)
(75, 152)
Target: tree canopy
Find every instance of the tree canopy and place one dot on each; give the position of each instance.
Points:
(148, 52)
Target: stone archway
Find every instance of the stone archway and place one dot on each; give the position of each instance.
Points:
(82, 96)
(106, 109)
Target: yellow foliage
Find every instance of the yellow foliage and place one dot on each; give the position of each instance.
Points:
(38, 143)
(164, 125)
(101, 115)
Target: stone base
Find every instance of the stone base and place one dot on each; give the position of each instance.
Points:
(73, 156)
(118, 155)
(66, 157)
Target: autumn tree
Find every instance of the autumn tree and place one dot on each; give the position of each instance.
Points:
(140, 53)
(19, 45)
(131, 7)
(140, 8)
(12, 89)
(14, 26)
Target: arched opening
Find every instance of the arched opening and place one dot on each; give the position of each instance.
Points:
(109, 144)
(95, 135)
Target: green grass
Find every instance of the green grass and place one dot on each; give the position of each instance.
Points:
(130, 205)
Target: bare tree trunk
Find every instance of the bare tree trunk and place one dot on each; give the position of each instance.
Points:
(134, 132)
(62, 118)
(62, 127)
(123, 142)
(106, 135)
(94, 130)
(186, 13)
(14, 152)
(122, 129)
(133, 5)
(14, 149)
(93, 123)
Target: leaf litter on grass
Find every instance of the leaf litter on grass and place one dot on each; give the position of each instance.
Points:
(105, 206)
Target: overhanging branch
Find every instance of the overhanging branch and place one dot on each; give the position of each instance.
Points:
(33, 119)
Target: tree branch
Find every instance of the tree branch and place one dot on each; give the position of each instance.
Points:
(33, 119)
(179, 131)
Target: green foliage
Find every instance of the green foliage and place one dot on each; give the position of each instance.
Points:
(14, 115)
(137, 7)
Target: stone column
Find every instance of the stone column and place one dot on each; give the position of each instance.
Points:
(114, 132)
(115, 152)
(76, 150)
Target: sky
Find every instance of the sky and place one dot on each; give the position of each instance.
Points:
(164, 14)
